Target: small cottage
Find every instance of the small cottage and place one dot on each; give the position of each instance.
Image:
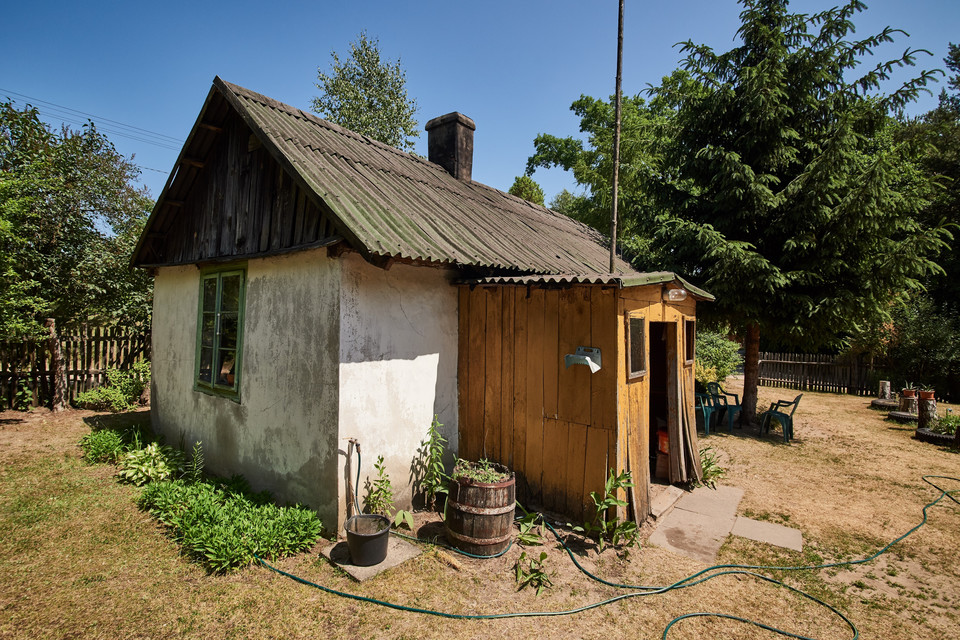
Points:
(313, 285)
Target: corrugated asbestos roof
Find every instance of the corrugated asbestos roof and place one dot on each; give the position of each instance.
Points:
(399, 205)
(389, 203)
(618, 280)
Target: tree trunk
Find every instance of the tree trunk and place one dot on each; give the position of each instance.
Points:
(751, 374)
(59, 383)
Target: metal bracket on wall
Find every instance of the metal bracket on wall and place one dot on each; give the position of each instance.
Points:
(585, 355)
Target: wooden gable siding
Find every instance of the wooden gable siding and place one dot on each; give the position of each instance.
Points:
(519, 405)
(242, 205)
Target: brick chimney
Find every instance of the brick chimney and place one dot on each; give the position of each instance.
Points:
(450, 144)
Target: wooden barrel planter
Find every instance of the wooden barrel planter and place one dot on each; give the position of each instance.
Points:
(479, 515)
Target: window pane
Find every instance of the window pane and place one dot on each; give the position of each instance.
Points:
(226, 367)
(691, 340)
(207, 329)
(228, 330)
(230, 294)
(637, 346)
(206, 364)
(209, 294)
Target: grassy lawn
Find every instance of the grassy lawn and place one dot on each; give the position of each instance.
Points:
(77, 558)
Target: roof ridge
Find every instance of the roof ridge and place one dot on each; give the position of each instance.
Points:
(296, 112)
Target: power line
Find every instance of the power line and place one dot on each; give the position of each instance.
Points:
(70, 116)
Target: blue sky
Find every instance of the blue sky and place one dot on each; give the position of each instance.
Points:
(514, 67)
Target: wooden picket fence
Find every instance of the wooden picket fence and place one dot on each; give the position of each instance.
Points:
(87, 354)
(817, 372)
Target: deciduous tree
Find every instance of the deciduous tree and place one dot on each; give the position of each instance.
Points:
(526, 187)
(69, 218)
(368, 95)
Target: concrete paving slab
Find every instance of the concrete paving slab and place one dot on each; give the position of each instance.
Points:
(398, 552)
(721, 502)
(699, 523)
(694, 535)
(769, 533)
(665, 500)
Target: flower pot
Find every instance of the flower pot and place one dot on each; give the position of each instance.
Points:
(367, 538)
(479, 515)
(926, 395)
(908, 393)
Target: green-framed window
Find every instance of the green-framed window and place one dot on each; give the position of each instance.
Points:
(220, 331)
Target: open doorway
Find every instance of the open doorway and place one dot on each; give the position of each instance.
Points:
(663, 401)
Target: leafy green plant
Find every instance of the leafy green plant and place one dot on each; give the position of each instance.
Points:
(105, 445)
(716, 355)
(379, 496)
(23, 397)
(530, 572)
(194, 471)
(606, 530)
(483, 471)
(712, 471)
(947, 424)
(531, 528)
(221, 525)
(435, 479)
(152, 463)
(120, 393)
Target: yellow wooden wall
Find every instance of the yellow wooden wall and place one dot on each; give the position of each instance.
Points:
(521, 407)
(560, 429)
(633, 428)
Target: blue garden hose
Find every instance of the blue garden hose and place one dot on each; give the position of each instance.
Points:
(646, 590)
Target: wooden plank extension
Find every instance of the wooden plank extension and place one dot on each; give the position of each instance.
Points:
(471, 433)
(574, 383)
(520, 373)
(533, 470)
(507, 351)
(491, 401)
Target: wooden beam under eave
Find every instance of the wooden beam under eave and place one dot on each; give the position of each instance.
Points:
(193, 162)
(173, 203)
(211, 127)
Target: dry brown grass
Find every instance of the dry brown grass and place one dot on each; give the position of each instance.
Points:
(77, 559)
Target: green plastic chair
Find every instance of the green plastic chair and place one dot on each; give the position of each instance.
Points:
(777, 412)
(722, 400)
(706, 409)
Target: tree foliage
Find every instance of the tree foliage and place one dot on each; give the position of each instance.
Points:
(368, 95)
(771, 174)
(69, 219)
(526, 187)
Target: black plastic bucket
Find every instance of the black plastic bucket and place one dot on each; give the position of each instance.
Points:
(367, 538)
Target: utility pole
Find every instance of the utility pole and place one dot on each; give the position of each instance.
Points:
(616, 142)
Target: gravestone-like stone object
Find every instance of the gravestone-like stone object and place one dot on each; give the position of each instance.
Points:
(885, 392)
(927, 413)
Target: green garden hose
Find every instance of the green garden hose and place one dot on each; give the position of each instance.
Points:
(646, 590)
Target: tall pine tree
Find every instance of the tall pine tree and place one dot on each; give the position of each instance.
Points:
(782, 187)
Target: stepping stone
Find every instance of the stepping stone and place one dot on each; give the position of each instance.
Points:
(769, 533)
(699, 523)
(398, 552)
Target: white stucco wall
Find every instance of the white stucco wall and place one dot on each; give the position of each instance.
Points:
(282, 434)
(398, 365)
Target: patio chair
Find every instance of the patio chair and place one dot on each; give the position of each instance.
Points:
(777, 411)
(729, 403)
(706, 409)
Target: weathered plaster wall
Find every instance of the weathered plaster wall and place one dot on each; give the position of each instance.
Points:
(282, 434)
(398, 365)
